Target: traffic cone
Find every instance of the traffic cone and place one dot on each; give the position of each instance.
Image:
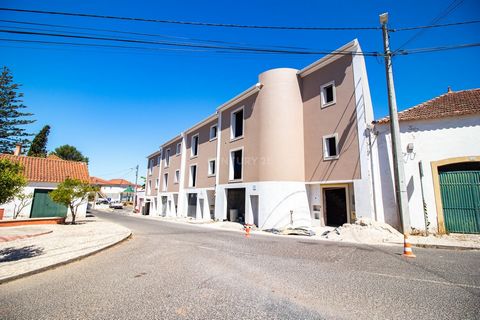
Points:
(247, 231)
(407, 247)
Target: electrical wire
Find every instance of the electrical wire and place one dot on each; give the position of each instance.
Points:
(443, 48)
(134, 33)
(188, 45)
(195, 23)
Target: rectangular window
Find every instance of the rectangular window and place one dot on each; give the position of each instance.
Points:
(236, 161)
(194, 146)
(330, 147)
(149, 188)
(327, 94)
(193, 176)
(159, 159)
(167, 158)
(211, 167)
(156, 183)
(213, 132)
(179, 148)
(150, 166)
(165, 181)
(237, 124)
(177, 176)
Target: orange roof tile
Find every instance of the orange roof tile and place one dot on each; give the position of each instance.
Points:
(98, 181)
(450, 104)
(121, 182)
(50, 169)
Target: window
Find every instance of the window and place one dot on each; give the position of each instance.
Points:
(327, 94)
(236, 122)
(149, 186)
(330, 147)
(193, 176)
(159, 159)
(177, 176)
(179, 148)
(167, 158)
(156, 183)
(213, 132)
(194, 146)
(211, 167)
(236, 160)
(150, 166)
(165, 181)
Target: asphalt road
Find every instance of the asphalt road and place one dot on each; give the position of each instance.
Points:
(176, 271)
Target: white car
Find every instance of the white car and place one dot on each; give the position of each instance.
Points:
(116, 205)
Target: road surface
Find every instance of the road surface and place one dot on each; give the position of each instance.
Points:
(176, 271)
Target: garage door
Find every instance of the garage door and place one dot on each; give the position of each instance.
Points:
(461, 200)
(43, 205)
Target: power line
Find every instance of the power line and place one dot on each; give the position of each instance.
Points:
(134, 33)
(176, 44)
(436, 26)
(442, 48)
(450, 8)
(195, 23)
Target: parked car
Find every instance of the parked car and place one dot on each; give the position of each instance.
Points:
(116, 205)
(102, 201)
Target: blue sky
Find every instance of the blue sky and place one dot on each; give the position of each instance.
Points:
(118, 105)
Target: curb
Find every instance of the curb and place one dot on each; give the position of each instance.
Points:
(436, 246)
(58, 264)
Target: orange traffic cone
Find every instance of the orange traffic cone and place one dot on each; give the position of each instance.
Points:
(247, 231)
(407, 248)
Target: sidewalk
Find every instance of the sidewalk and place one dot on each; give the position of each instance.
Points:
(30, 249)
(381, 234)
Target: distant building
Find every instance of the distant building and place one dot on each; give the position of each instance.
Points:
(115, 189)
(43, 176)
(441, 139)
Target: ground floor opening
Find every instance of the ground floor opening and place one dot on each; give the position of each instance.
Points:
(236, 205)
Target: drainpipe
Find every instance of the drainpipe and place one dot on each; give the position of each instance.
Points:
(425, 213)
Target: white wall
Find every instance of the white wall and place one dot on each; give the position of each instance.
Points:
(433, 140)
(276, 199)
(25, 213)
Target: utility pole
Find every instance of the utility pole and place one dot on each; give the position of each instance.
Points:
(135, 193)
(398, 170)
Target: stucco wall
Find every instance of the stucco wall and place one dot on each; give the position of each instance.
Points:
(175, 164)
(30, 189)
(207, 150)
(433, 140)
(339, 118)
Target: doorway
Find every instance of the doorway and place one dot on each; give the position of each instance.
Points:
(335, 206)
(201, 203)
(254, 207)
(43, 205)
(164, 206)
(192, 205)
(236, 205)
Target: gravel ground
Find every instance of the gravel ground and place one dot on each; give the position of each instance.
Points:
(175, 271)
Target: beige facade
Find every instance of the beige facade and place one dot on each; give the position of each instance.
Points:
(207, 151)
(153, 175)
(286, 149)
(339, 118)
(171, 184)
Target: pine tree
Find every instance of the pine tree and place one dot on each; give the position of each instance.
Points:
(11, 117)
(68, 152)
(39, 143)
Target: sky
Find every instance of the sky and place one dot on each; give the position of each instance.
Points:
(118, 105)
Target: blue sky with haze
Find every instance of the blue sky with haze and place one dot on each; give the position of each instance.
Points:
(119, 105)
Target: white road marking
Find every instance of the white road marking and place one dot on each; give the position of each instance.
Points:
(424, 280)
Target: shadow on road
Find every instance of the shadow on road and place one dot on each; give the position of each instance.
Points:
(15, 254)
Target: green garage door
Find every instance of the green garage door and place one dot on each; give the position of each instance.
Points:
(43, 206)
(461, 200)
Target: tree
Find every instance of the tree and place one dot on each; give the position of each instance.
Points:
(68, 152)
(12, 180)
(22, 201)
(39, 143)
(11, 117)
(72, 193)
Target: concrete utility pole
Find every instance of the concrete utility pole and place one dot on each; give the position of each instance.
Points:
(135, 193)
(398, 170)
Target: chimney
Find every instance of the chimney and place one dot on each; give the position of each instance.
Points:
(18, 149)
(449, 89)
